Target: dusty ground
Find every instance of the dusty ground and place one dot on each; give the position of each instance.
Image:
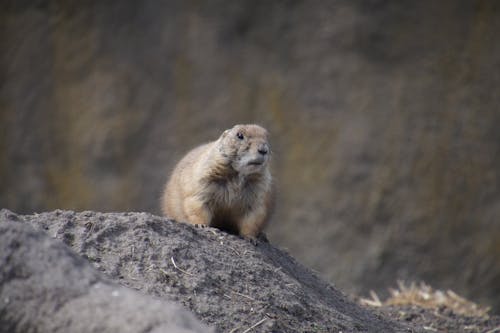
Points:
(432, 310)
(224, 280)
(440, 320)
(45, 287)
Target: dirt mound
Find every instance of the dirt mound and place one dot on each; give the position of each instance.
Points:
(45, 287)
(225, 281)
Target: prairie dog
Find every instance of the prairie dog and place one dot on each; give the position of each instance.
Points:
(224, 183)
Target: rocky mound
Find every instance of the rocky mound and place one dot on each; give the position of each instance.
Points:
(227, 282)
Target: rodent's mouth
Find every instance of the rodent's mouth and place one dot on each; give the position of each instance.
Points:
(255, 162)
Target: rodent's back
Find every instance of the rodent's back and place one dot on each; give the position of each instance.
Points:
(181, 183)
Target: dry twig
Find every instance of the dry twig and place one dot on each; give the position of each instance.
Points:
(496, 329)
(424, 296)
(254, 325)
(180, 269)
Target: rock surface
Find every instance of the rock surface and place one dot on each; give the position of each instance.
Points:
(225, 281)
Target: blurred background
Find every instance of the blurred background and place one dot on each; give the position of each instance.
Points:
(384, 118)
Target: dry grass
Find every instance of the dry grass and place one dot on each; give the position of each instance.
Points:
(424, 296)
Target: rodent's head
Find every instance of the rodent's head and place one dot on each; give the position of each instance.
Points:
(246, 148)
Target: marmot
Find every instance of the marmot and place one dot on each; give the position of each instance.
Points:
(224, 184)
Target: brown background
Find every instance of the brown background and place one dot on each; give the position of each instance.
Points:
(384, 118)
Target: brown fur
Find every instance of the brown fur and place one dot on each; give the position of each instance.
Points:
(225, 183)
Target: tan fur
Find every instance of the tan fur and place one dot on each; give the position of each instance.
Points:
(225, 183)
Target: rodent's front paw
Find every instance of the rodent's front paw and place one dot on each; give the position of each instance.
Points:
(251, 239)
(262, 237)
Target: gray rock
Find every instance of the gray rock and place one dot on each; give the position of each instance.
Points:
(224, 280)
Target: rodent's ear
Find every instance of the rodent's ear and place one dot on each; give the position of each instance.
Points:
(225, 133)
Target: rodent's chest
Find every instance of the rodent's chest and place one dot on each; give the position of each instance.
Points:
(229, 195)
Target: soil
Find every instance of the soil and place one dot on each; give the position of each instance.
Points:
(47, 288)
(225, 281)
(440, 319)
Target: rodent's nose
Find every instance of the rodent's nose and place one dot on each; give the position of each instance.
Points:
(263, 150)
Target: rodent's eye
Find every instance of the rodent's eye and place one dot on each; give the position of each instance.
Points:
(240, 136)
